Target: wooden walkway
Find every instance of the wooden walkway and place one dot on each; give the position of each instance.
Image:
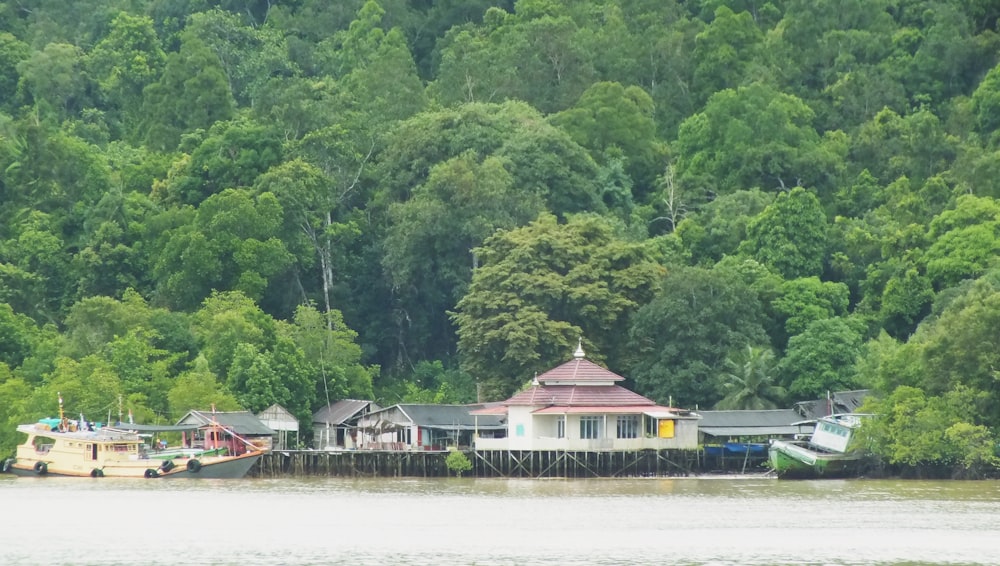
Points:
(491, 463)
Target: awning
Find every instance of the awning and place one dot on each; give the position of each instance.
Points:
(660, 414)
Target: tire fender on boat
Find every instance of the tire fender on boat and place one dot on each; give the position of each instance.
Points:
(41, 468)
(166, 466)
(97, 473)
(194, 466)
(151, 473)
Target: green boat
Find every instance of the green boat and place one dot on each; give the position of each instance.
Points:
(827, 454)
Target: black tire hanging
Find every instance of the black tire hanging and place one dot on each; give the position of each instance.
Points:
(97, 473)
(41, 468)
(194, 466)
(151, 473)
(166, 466)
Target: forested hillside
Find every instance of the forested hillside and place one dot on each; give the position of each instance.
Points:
(736, 204)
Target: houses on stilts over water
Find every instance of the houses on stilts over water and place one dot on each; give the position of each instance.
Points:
(574, 420)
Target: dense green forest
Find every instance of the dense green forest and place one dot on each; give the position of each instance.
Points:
(734, 203)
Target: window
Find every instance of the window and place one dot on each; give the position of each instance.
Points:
(561, 427)
(628, 426)
(590, 427)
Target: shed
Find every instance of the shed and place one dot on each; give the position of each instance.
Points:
(335, 425)
(424, 427)
(723, 426)
(278, 418)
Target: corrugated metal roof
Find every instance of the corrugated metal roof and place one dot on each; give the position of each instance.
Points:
(342, 411)
(277, 417)
(578, 370)
(728, 431)
(241, 422)
(495, 410)
(839, 402)
(775, 422)
(764, 418)
(444, 417)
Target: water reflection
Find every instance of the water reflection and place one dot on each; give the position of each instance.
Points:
(728, 520)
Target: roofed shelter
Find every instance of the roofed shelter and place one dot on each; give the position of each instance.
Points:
(335, 425)
(423, 427)
(744, 425)
(278, 419)
(243, 423)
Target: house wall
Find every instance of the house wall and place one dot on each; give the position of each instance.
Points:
(324, 436)
(331, 437)
(540, 434)
(520, 428)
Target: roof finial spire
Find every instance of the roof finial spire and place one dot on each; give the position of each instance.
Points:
(578, 354)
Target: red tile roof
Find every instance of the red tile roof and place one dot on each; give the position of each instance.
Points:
(579, 395)
(579, 370)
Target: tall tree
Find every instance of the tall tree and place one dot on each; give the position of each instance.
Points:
(822, 358)
(541, 288)
(429, 245)
(613, 121)
(679, 341)
(125, 62)
(755, 136)
(790, 235)
(192, 93)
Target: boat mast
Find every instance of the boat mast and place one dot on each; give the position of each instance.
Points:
(62, 417)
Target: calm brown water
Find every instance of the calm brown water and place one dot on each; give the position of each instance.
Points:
(251, 522)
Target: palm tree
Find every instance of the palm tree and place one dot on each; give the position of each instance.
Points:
(747, 382)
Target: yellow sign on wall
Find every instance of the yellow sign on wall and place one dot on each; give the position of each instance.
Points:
(667, 428)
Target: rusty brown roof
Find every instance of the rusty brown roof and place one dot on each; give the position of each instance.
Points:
(578, 370)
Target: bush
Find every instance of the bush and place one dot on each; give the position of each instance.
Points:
(458, 463)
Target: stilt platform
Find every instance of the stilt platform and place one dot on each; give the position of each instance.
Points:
(485, 463)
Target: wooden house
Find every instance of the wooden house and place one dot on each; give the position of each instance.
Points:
(243, 423)
(423, 427)
(579, 406)
(284, 423)
(335, 426)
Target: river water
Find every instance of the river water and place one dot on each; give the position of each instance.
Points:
(296, 521)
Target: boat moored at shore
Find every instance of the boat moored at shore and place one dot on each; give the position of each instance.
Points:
(58, 447)
(828, 453)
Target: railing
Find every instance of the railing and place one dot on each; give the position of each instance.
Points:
(589, 444)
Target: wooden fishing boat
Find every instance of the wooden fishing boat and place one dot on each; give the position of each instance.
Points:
(61, 447)
(828, 453)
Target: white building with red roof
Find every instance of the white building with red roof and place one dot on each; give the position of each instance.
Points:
(579, 406)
